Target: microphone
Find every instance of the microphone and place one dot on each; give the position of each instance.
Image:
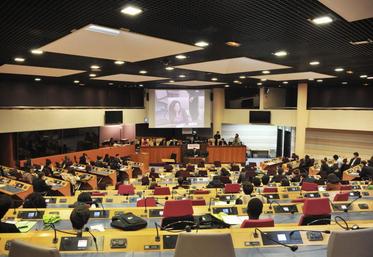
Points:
(293, 248)
(349, 205)
(210, 202)
(239, 200)
(145, 206)
(94, 238)
(157, 237)
(55, 239)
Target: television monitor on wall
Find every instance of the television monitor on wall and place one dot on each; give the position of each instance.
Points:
(260, 117)
(113, 117)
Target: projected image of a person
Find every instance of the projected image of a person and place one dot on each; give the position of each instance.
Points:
(193, 103)
(177, 114)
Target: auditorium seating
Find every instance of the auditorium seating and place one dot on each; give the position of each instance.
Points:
(346, 188)
(316, 212)
(162, 191)
(148, 202)
(307, 186)
(179, 212)
(232, 188)
(126, 190)
(340, 197)
(270, 190)
(258, 223)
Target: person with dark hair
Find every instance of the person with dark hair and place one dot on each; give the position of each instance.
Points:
(182, 182)
(355, 160)
(285, 182)
(66, 162)
(279, 176)
(84, 159)
(34, 201)
(153, 175)
(79, 217)
(106, 158)
(40, 185)
(306, 178)
(177, 114)
(47, 169)
(5, 204)
(216, 138)
(333, 182)
(145, 181)
(257, 182)
(295, 176)
(366, 172)
(224, 172)
(84, 198)
(324, 169)
(237, 140)
(254, 208)
(265, 180)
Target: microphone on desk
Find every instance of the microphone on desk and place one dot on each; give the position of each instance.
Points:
(239, 200)
(93, 237)
(293, 248)
(55, 239)
(348, 205)
(210, 202)
(157, 237)
(145, 206)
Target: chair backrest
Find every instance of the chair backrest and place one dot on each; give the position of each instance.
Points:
(198, 202)
(150, 202)
(308, 186)
(126, 189)
(299, 200)
(98, 193)
(352, 243)
(204, 245)
(316, 206)
(346, 188)
(341, 197)
(201, 192)
(22, 249)
(162, 191)
(225, 180)
(270, 190)
(202, 173)
(232, 188)
(178, 208)
(258, 223)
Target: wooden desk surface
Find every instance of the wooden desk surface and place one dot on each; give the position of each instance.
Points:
(157, 153)
(226, 154)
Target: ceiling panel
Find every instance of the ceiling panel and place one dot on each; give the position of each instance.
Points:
(294, 76)
(129, 78)
(37, 71)
(351, 10)
(194, 83)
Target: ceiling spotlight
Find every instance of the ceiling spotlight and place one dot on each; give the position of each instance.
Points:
(285, 82)
(319, 80)
(37, 79)
(363, 76)
(263, 80)
(76, 81)
(180, 57)
(92, 75)
(313, 63)
(237, 82)
(141, 85)
(233, 44)
(344, 83)
(281, 53)
(131, 10)
(143, 72)
(172, 81)
(201, 44)
(365, 84)
(369, 77)
(322, 20)
(266, 72)
(242, 77)
(95, 67)
(19, 59)
(182, 76)
(226, 86)
(119, 62)
(349, 72)
(214, 79)
(36, 51)
(259, 83)
(81, 84)
(170, 68)
(110, 83)
(311, 79)
(338, 69)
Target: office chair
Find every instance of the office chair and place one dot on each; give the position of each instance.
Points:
(232, 188)
(22, 249)
(179, 213)
(126, 189)
(150, 202)
(352, 243)
(316, 211)
(270, 190)
(201, 192)
(162, 191)
(307, 186)
(204, 245)
(198, 202)
(341, 197)
(258, 223)
(346, 188)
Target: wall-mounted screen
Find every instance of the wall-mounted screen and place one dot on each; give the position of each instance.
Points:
(179, 108)
(113, 117)
(263, 117)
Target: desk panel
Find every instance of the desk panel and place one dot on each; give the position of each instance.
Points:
(226, 154)
(157, 153)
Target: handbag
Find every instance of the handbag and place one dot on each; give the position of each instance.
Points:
(128, 222)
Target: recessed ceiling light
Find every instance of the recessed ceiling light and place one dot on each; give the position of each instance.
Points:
(319, 80)
(285, 82)
(266, 72)
(76, 81)
(363, 76)
(281, 53)
(95, 67)
(311, 79)
(263, 80)
(19, 59)
(344, 83)
(81, 84)
(201, 44)
(36, 51)
(338, 69)
(182, 76)
(180, 57)
(226, 86)
(369, 77)
(365, 84)
(119, 62)
(92, 75)
(37, 79)
(170, 68)
(103, 30)
(322, 20)
(131, 10)
(259, 83)
(313, 63)
(214, 79)
(242, 77)
(110, 83)
(349, 72)
(237, 82)
(233, 44)
(172, 81)
(141, 85)
(143, 72)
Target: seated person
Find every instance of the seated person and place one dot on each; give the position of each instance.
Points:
(40, 185)
(333, 182)
(257, 182)
(5, 204)
(265, 180)
(34, 201)
(254, 208)
(47, 169)
(153, 175)
(366, 172)
(215, 183)
(85, 199)
(84, 159)
(285, 182)
(222, 142)
(306, 178)
(145, 181)
(248, 189)
(295, 176)
(28, 176)
(100, 162)
(182, 182)
(79, 217)
(106, 158)
(201, 164)
(168, 168)
(279, 176)
(224, 172)
(153, 185)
